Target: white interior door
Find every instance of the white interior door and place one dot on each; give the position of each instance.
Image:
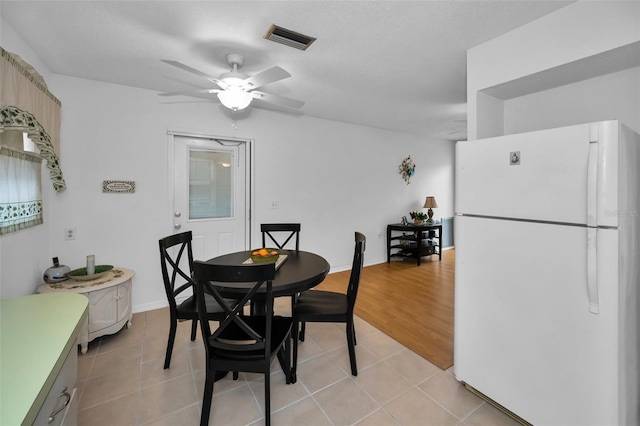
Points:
(211, 194)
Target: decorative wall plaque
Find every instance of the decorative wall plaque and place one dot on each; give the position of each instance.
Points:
(407, 169)
(119, 186)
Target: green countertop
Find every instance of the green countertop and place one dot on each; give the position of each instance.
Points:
(36, 334)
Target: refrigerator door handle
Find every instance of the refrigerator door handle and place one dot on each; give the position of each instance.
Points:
(592, 271)
(592, 221)
(592, 177)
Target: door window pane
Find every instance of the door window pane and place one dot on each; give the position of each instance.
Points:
(210, 184)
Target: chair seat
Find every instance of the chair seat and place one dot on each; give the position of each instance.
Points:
(321, 305)
(280, 329)
(189, 308)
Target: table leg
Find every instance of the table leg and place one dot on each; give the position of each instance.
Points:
(388, 244)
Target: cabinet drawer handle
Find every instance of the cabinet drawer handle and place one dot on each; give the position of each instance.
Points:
(67, 396)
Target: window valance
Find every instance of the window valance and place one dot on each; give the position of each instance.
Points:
(27, 105)
(12, 118)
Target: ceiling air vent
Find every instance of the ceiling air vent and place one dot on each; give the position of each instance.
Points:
(288, 37)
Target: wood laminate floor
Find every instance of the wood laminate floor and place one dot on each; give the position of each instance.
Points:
(412, 304)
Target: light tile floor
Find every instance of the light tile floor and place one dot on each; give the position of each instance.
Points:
(121, 381)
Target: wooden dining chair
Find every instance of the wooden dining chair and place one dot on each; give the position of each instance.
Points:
(328, 306)
(176, 261)
(282, 234)
(241, 343)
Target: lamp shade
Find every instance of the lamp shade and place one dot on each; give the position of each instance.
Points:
(235, 98)
(430, 203)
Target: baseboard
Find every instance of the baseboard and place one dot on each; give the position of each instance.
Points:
(150, 306)
(509, 413)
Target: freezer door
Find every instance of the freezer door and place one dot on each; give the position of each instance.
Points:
(566, 175)
(524, 335)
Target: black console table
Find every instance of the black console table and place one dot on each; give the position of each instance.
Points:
(414, 240)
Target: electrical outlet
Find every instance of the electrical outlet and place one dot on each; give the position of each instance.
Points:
(70, 234)
(275, 205)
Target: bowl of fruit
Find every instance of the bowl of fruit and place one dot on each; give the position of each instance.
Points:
(265, 255)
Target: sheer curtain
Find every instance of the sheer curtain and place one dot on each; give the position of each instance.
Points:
(20, 190)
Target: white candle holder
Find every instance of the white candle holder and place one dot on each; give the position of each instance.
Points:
(91, 264)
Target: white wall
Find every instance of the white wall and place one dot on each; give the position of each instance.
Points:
(333, 177)
(612, 96)
(577, 34)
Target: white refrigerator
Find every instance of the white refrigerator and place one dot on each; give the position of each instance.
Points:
(547, 238)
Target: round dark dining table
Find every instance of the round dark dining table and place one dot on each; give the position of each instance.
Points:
(301, 271)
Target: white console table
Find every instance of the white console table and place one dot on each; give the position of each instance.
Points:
(109, 302)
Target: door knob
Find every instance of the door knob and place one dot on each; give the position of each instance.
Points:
(177, 214)
(177, 226)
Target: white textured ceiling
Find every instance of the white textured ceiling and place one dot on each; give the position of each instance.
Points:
(398, 65)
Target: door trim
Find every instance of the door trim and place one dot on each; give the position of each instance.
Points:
(249, 158)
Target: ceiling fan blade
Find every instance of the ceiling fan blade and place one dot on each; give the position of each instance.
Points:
(187, 68)
(274, 107)
(276, 99)
(189, 92)
(203, 101)
(221, 84)
(265, 77)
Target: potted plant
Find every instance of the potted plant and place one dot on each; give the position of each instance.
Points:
(418, 216)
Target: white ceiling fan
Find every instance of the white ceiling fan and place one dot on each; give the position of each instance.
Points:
(236, 90)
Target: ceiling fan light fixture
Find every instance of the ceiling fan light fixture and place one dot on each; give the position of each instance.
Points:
(233, 78)
(235, 98)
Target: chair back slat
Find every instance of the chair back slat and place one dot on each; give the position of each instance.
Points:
(170, 258)
(356, 270)
(234, 333)
(285, 233)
